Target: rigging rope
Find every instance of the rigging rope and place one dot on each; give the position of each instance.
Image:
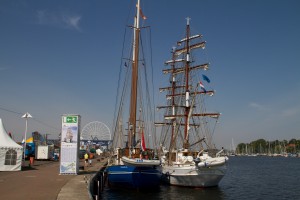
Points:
(34, 119)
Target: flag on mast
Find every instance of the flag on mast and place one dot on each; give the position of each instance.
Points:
(143, 145)
(142, 15)
(202, 86)
(205, 78)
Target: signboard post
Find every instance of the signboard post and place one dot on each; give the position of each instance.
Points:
(69, 163)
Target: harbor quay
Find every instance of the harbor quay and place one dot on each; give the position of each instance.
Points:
(41, 180)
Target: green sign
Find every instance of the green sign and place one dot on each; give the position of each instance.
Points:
(71, 119)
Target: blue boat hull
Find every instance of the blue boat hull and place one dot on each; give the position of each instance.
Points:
(133, 177)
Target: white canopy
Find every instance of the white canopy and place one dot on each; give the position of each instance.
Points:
(10, 152)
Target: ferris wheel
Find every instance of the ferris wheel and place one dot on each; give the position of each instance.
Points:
(95, 131)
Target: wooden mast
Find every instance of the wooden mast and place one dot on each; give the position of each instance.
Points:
(134, 79)
(173, 100)
(187, 92)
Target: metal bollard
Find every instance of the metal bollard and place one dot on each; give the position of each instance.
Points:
(98, 190)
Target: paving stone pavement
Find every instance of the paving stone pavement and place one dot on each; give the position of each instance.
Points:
(42, 181)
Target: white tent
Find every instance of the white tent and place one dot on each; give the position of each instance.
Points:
(10, 152)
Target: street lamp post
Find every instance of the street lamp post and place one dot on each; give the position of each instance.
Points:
(46, 138)
(26, 116)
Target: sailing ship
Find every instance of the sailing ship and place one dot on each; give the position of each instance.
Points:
(132, 164)
(188, 155)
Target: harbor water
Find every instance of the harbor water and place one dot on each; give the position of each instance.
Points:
(252, 177)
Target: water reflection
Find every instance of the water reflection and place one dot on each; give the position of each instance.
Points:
(246, 178)
(165, 192)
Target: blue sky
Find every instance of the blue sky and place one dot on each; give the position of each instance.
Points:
(59, 57)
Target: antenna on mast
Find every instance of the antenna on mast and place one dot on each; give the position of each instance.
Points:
(188, 19)
(138, 14)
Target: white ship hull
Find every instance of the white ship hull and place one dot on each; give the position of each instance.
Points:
(190, 176)
(140, 162)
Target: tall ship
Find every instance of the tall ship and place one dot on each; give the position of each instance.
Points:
(188, 154)
(132, 163)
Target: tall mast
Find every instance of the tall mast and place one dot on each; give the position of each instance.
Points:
(187, 92)
(181, 115)
(173, 99)
(134, 78)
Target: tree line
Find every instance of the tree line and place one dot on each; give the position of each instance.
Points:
(262, 146)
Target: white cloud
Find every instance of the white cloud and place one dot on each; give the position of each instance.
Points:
(64, 20)
(72, 21)
(291, 112)
(257, 106)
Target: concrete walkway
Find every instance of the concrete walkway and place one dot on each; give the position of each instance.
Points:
(43, 181)
(77, 187)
